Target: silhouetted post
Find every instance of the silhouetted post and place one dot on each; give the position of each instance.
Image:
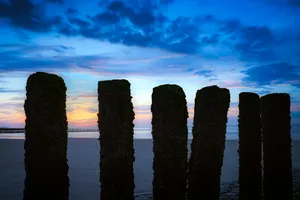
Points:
(209, 129)
(115, 122)
(249, 146)
(276, 131)
(170, 134)
(46, 138)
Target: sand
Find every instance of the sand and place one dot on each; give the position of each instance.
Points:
(83, 160)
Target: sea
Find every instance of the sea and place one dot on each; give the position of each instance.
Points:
(84, 156)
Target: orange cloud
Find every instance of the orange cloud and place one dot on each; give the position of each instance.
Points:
(82, 115)
(13, 117)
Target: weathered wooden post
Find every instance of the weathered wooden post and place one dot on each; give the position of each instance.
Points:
(276, 132)
(46, 138)
(170, 134)
(249, 146)
(115, 122)
(209, 129)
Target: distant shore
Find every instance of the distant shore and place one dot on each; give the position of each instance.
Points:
(22, 130)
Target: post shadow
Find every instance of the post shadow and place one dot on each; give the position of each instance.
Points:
(46, 138)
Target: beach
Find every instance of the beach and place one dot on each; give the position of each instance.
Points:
(83, 160)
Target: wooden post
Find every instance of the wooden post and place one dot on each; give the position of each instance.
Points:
(170, 134)
(276, 131)
(249, 146)
(115, 122)
(46, 138)
(209, 129)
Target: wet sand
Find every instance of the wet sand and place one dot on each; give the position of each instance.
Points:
(83, 160)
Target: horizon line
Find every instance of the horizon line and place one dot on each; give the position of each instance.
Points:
(15, 128)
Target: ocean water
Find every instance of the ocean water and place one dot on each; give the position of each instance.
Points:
(145, 133)
(83, 160)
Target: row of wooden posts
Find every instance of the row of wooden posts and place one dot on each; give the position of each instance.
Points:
(263, 122)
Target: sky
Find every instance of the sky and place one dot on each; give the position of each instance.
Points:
(245, 46)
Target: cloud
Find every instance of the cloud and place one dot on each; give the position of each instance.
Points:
(71, 11)
(24, 14)
(7, 90)
(276, 73)
(166, 2)
(55, 1)
(139, 18)
(31, 57)
(63, 49)
(142, 24)
(23, 36)
(256, 43)
(213, 39)
(231, 26)
(79, 22)
(83, 96)
(295, 3)
(19, 57)
(178, 36)
(107, 18)
(205, 73)
(136, 25)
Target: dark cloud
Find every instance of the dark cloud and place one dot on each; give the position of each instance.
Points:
(67, 29)
(142, 17)
(63, 49)
(295, 3)
(231, 26)
(55, 1)
(205, 73)
(255, 43)
(213, 39)
(140, 23)
(147, 30)
(72, 11)
(205, 19)
(107, 18)
(166, 2)
(24, 14)
(281, 73)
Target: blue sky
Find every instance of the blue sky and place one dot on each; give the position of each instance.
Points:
(245, 46)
